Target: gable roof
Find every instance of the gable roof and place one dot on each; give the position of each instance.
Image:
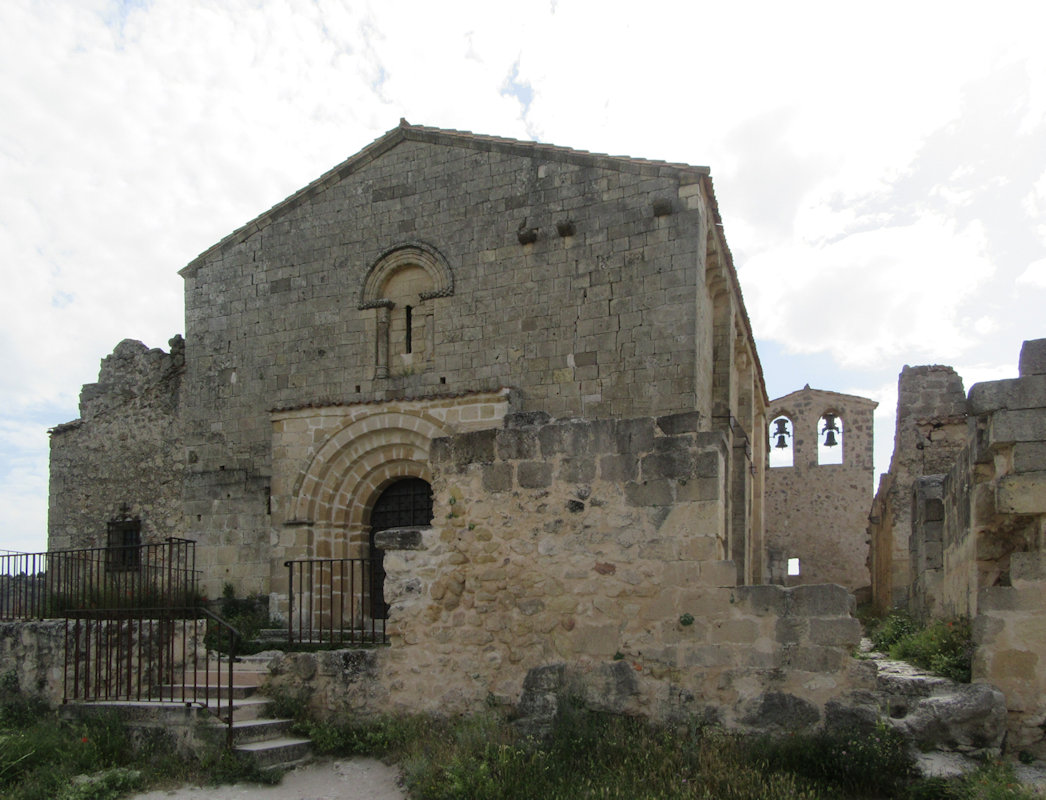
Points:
(686, 173)
(419, 133)
(806, 391)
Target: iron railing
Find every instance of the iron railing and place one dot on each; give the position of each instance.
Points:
(46, 585)
(159, 654)
(334, 602)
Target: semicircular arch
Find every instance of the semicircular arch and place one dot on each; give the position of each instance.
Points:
(401, 256)
(353, 464)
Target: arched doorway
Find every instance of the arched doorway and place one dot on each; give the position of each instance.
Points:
(406, 503)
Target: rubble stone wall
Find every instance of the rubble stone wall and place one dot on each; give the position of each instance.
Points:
(124, 456)
(601, 544)
(979, 537)
(33, 653)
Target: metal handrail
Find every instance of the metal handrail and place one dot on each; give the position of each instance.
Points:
(148, 655)
(334, 603)
(41, 585)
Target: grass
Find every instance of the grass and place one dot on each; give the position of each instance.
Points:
(44, 757)
(483, 757)
(944, 647)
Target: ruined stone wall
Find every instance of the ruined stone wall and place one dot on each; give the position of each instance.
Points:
(979, 535)
(1011, 649)
(930, 433)
(601, 545)
(818, 513)
(124, 456)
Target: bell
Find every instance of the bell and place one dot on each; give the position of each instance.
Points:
(781, 443)
(829, 423)
(829, 439)
(782, 427)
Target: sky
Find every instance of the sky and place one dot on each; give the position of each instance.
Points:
(880, 168)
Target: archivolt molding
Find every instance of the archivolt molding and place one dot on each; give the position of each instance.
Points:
(354, 464)
(417, 254)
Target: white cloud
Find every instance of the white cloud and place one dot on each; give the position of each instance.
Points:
(870, 297)
(133, 136)
(1034, 275)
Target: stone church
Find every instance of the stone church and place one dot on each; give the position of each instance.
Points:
(434, 284)
(519, 382)
(519, 379)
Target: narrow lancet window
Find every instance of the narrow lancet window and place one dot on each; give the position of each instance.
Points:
(408, 343)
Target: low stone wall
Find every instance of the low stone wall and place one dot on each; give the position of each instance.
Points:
(33, 652)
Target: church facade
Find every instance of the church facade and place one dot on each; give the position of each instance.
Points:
(435, 284)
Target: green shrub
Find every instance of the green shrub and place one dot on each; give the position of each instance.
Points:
(891, 629)
(944, 647)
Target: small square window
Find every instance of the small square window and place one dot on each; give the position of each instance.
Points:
(793, 566)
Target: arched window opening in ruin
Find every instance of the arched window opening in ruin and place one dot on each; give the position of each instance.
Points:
(793, 567)
(830, 439)
(782, 436)
(406, 503)
(409, 344)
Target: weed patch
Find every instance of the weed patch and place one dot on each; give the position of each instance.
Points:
(944, 647)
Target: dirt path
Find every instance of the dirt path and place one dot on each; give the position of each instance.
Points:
(344, 779)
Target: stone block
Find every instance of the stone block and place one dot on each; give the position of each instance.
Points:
(1022, 494)
(821, 600)
(1033, 358)
(780, 710)
(1025, 425)
(674, 424)
(534, 475)
(835, 632)
(618, 468)
(1027, 567)
(649, 493)
(498, 478)
(791, 630)
(1029, 456)
(516, 443)
(994, 599)
(577, 470)
(633, 436)
(675, 463)
(719, 573)
(1013, 394)
(399, 539)
(762, 600)
(526, 419)
(817, 659)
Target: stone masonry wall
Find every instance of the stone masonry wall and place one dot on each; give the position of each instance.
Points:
(600, 545)
(818, 513)
(582, 282)
(979, 538)
(596, 316)
(930, 432)
(1011, 649)
(125, 450)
